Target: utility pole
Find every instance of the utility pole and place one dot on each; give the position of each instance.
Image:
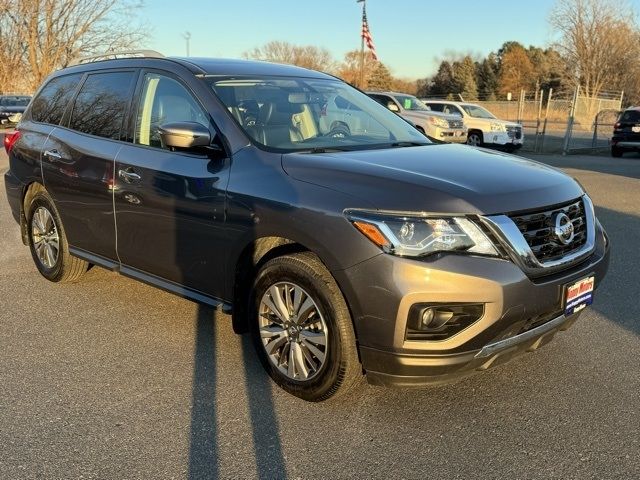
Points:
(187, 37)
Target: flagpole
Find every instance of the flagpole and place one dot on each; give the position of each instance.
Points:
(361, 75)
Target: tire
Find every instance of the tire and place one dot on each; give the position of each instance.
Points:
(475, 139)
(48, 242)
(616, 152)
(313, 356)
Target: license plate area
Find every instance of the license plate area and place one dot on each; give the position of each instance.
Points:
(578, 295)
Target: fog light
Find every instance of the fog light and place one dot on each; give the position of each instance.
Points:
(427, 317)
(437, 322)
(434, 318)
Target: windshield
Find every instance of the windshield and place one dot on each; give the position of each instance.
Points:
(477, 112)
(296, 114)
(14, 101)
(411, 103)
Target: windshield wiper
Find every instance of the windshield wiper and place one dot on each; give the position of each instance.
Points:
(408, 144)
(323, 150)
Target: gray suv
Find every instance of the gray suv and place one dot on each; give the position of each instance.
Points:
(342, 252)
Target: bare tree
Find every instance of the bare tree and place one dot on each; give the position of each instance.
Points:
(40, 36)
(308, 56)
(349, 70)
(597, 41)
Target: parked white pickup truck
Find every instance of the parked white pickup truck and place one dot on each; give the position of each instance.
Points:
(484, 128)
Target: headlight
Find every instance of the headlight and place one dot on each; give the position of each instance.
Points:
(498, 127)
(439, 122)
(417, 236)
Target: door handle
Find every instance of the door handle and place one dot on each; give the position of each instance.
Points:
(129, 176)
(52, 155)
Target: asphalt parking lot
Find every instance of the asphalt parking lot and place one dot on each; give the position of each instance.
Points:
(110, 378)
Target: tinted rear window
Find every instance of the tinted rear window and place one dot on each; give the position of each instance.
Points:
(630, 116)
(50, 104)
(101, 104)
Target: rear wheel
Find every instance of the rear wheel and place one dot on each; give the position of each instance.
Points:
(475, 139)
(301, 328)
(48, 242)
(616, 152)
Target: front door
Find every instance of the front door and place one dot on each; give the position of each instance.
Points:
(170, 204)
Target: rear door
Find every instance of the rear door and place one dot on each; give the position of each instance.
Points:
(78, 160)
(170, 205)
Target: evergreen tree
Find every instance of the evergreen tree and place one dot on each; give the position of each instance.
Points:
(464, 77)
(487, 77)
(380, 78)
(442, 82)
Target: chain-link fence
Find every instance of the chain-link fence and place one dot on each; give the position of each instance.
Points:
(559, 122)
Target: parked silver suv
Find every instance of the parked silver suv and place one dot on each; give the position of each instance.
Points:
(436, 125)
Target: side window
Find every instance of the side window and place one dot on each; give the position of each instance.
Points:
(383, 100)
(436, 107)
(101, 104)
(50, 104)
(452, 110)
(164, 100)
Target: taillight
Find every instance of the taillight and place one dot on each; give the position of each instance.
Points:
(10, 140)
(617, 125)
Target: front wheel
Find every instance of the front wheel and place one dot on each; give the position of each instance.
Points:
(48, 242)
(474, 139)
(301, 328)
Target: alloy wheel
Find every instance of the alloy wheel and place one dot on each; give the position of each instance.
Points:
(44, 234)
(293, 331)
(474, 140)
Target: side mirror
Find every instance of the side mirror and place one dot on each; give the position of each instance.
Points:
(393, 107)
(184, 135)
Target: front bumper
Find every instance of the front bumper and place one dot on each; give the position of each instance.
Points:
(410, 370)
(382, 290)
(450, 135)
(503, 139)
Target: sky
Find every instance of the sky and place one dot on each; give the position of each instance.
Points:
(411, 36)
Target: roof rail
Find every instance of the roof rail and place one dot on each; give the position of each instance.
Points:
(117, 55)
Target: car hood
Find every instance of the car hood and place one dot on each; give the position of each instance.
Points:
(506, 123)
(431, 113)
(436, 178)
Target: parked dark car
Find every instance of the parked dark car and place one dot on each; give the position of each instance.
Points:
(626, 133)
(12, 104)
(343, 253)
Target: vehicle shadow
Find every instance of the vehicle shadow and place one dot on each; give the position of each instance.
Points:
(264, 423)
(618, 297)
(203, 441)
(241, 212)
(627, 166)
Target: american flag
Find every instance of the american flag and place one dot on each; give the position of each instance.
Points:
(366, 34)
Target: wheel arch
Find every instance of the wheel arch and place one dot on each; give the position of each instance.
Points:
(476, 130)
(28, 192)
(255, 254)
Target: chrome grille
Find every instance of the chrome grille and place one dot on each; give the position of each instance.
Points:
(514, 132)
(537, 228)
(456, 123)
